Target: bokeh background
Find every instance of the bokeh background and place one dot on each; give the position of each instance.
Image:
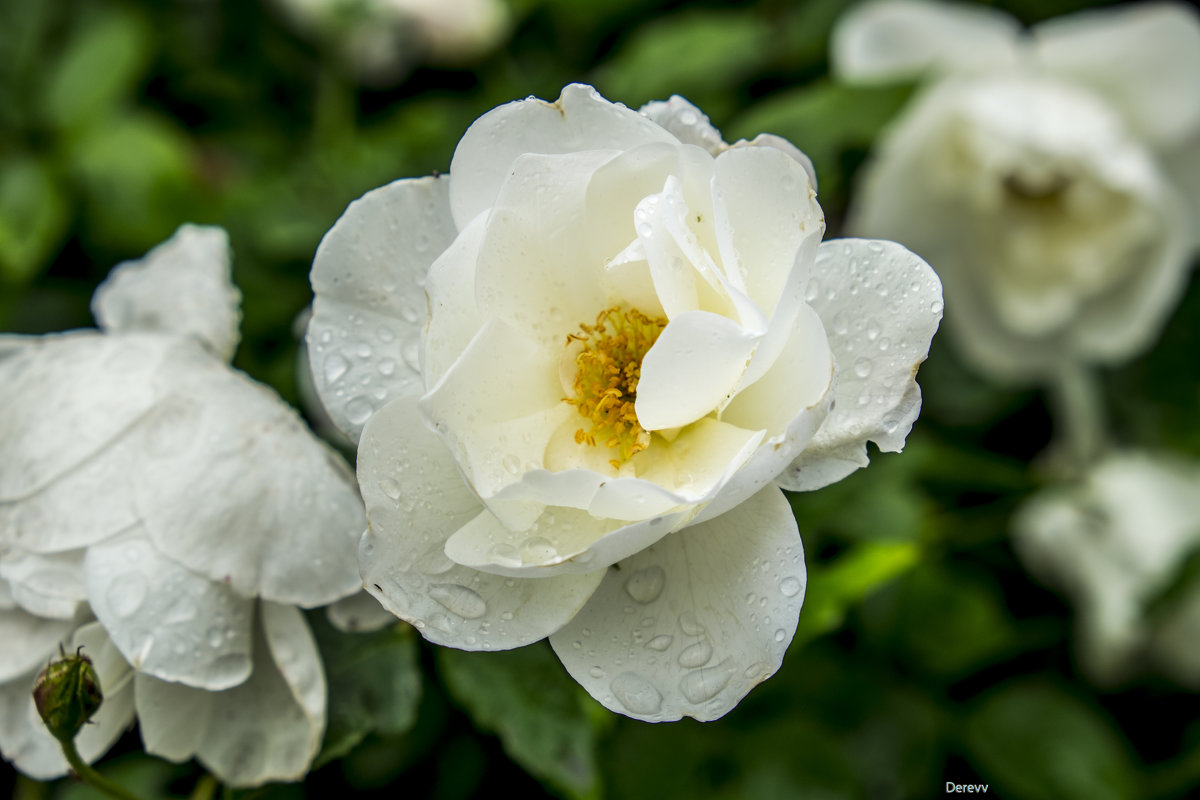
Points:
(925, 654)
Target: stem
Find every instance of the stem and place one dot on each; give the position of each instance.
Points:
(91, 776)
(1079, 418)
(206, 788)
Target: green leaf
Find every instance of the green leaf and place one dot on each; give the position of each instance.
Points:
(374, 684)
(834, 588)
(1037, 741)
(546, 723)
(33, 217)
(691, 53)
(103, 60)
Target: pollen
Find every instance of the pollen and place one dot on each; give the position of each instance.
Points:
(607, 369)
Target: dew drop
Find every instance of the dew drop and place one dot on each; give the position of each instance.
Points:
(386, 367)
(862, 367)
(690, 625)
(636, 693)
(790, 587)
(390, 488)
(215, 636)
(841, 323)
(780, 635)
(335, 367)
(358, 410)
(813, 291)
(435, 562)
(385, 334)
(412, 356)
(697, 655)
(702, 685)
(936, 307)
(537, 550)
(458, 600)
(409, 314)
(873, 330)
(660, 643)
(597, 672)
(646, 585)
(126, 594)
(363, 350)
(511, 464)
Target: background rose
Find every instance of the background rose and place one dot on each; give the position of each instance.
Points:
(1045, 175)
(558, 226)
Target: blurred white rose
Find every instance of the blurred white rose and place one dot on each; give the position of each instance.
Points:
(1050, 176)
(580, 366)
(382, 39)
(1114, 542)
(145, 483)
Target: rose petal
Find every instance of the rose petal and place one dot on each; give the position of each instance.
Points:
(359, 613)
(66, 397)
(29, 641)
(233, 486)
(694, 366)
(45, 585)
(671, 633)
(369, 311)
(415, 500)
(166, 621)
(266, 729)
(1145, 59)
(579, 120)
(881, 305)
(454, 317)
(182, 286)
(688, 123)
(897, 40)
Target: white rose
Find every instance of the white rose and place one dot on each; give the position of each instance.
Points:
(1045, 175)
(1112, 543)
(582, 364)
(146, 484)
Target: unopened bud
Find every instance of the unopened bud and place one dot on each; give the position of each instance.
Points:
(67, 694)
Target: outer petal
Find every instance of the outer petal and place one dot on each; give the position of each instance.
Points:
(45, 585)
(166, 621)
(66, 397)
(579, 120)
(415, 500)
(690, 625)
(28, 641)
(233, 486)
(688, 123)
(266, 729)
(895, 40)
(368, 277)
(359, 612)
(881, 305)
(1144, 58)
(181, 287)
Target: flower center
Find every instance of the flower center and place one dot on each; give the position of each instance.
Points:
(607, 369)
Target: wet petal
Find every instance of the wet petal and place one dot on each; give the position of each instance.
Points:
(881, 305)
(579, 120)
(359, 613)
(266, 729)
(45, 585)
(369, 311)
(415, 500)
(166, 621)
(688, 123)
(688, 626)
(182, 286)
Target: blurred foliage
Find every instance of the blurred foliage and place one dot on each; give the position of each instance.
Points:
(925, 653)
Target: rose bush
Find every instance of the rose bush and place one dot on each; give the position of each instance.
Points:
(1050, 176)
(169, 514)
(578, 369)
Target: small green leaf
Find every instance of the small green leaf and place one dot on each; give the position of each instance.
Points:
(834, 588)
(374, 684)
(1037, 741)
(544, 720)
(33, 217)
(103, 60)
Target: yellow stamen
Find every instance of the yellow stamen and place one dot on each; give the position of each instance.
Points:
(607, 372)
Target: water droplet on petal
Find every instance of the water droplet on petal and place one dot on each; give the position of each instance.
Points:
(597, 672)
(690, 625)
(458, 600)
(697, 655)
(386, 367)
(390, 488)
(936, 307)
(702, 685)
(537, 550)
(126, 594)
(335, 367)
(660, 643)
(358, 410)
(862, 367)
(790, 587)
(646, 585)
(636, 693)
